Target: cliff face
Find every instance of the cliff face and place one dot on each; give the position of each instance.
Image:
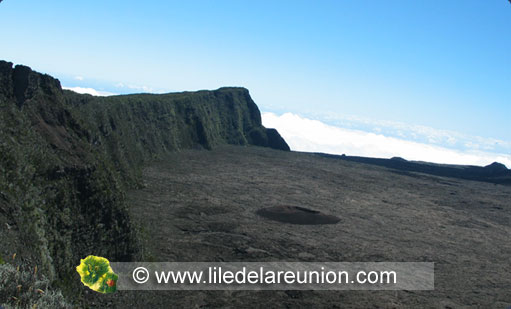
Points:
(66, 159)
(132, 128)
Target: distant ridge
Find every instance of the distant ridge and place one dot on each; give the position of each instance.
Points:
(495, 173)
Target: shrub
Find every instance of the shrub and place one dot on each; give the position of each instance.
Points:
(27, 289)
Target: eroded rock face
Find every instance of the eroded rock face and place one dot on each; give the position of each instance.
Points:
(297, 215)
(23, 84)
(59, 193)
(267, 138)
(276, 141)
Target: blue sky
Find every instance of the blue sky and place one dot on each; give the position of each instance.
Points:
(395, 68)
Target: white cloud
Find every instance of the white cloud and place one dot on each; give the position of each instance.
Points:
(78, 77)
(417, 133)
(308, 135)
(90, 91)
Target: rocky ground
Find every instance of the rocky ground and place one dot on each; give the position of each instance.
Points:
(201, 206)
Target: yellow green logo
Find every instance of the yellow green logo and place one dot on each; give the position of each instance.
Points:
(97, 274)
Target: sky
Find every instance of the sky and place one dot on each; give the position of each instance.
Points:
(431, 79)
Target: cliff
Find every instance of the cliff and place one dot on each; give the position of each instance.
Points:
(133, 128)
(66, 160)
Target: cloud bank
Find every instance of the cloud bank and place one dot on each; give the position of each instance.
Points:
(416, 133)
(90, 91)
(308, 135)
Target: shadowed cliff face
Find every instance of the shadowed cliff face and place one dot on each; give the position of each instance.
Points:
(66, 160)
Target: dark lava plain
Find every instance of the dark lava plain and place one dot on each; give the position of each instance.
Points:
(201, 206)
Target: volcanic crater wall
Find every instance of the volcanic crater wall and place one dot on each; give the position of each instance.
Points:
(67, 158)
